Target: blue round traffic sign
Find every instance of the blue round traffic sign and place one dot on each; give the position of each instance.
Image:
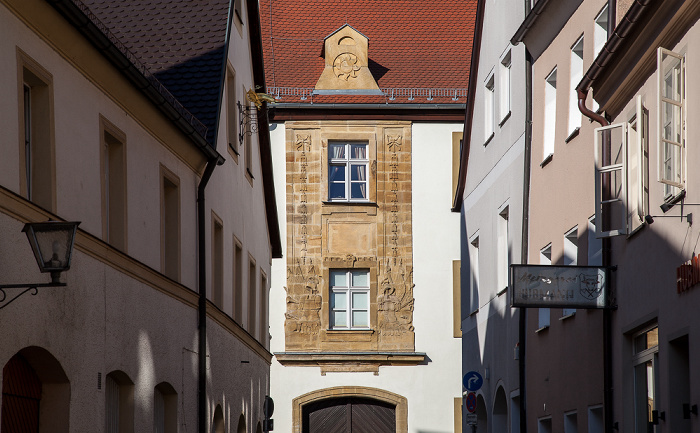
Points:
(472, 381)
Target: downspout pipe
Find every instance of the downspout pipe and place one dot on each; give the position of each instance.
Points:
(202, 306)
(522, 312)
(607, 312)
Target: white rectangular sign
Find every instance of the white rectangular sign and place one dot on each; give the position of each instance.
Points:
(546, 286)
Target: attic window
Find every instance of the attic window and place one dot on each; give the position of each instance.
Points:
(346, 40)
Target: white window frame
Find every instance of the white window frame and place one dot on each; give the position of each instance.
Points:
(474, 273)
(570, 259)
(679, 87)
(543, 314)
(349, 290)
(576, 74)
(550, 114)
(637, 189)
(504, 87)
(348, 162)
(600, 170)
(503, 249)
(600, 31)
(489, 107)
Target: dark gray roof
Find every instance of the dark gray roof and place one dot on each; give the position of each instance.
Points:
(181, 42)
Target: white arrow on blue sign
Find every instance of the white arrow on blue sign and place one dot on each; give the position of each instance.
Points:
(473, 381)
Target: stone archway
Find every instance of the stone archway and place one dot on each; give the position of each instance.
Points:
(370, 403)
(35, 393)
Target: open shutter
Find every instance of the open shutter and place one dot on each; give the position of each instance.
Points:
(671, 76)
(611, 180)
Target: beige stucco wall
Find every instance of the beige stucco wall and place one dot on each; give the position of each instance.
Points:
(118, 312)
(561, 198)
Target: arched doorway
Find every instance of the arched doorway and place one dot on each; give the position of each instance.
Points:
(218, 424)
(241, 424)
(350, 409)
(35, 391)
(482, 422)
(500, 411)
(349, 415)
(21, 394)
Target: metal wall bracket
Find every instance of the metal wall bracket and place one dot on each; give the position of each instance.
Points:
(4, 301)
(248, 121)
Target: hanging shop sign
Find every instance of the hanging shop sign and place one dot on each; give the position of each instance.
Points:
(540, 286)
(687, 275)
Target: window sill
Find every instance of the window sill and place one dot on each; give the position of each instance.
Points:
(547, 159)
(504, 119)
(348, 335)
(474, 313)
(488, 140)
(544, 328)
(568, 316)
(502, 291)
(343, 207)
(573, 134)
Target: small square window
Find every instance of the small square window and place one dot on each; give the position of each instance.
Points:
(348, 170)
(349, 299)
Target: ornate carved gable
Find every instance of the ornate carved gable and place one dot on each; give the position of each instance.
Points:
(347, 62)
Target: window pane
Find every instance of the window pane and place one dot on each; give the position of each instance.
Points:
(338, 278)
(611, 185)
(358, 172)
(672, 78)
(359, 279)
(672, 122)
(359, 151)
(336, 173)
(360, 300)
(360, 319)
(359, 190)
(339, 319)
(337, 190)
(671, 163)
(339, 300)
(337, 151)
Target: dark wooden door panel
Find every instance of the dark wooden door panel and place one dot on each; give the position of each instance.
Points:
(21, 393)
(349, 415)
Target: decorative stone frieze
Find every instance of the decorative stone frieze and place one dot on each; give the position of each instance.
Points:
(323, 235)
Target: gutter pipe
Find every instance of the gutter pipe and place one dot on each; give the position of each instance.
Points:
(202, 305)
(202, 419)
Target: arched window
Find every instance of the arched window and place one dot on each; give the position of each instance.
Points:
(35, 391)
(218, 424)
(164, 408)
(241, 425)
(119, 403)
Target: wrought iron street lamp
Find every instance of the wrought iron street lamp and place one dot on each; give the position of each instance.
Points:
(52, 245)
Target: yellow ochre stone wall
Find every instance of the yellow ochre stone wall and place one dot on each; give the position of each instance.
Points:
(376, 235)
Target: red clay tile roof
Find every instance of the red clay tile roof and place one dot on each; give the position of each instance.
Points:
(414, 44)
(180, 42)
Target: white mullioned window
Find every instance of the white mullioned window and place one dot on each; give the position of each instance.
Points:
(576, 76)
(474, 273)
(671, 115)
(504, 90)
(621, 183)
(349, 303)
(543, 313)
(550, 113)
(489, 108)
(503, 250)
(600, 31)
(348, 169)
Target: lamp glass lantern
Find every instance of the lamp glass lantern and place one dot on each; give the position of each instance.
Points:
(52, 245)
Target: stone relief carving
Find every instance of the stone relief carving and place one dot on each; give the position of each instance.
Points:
(346, 260)
(303, 299)
(395, 298)
(345, 66)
